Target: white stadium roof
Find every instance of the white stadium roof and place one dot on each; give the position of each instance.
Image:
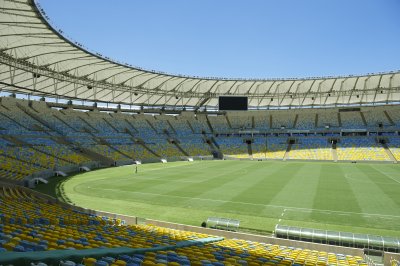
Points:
(36, 58)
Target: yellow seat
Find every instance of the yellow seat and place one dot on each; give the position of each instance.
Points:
(89, 261)
(9, 246)
(119, 263)
(148, 263)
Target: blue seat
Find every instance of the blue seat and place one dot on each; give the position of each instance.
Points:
(101, 263)
(2, 242)
(136, 260)
(108, 259)
(67, 263)
(19, 248)
(125, 258)
(39, 247)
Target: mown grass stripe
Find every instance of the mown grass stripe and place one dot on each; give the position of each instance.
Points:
(257, 193)
(334, 193)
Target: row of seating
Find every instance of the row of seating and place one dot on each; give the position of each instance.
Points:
(107, 151)
(394, 147)
(15, 169)
(219, 123)
(31, 223)
(276, 148)
(198, 124)
(105, 124)
(37, 129)
(17, 162)
(135, 151)
(240, 122)
(230, 252)
(361, 149)
(233, 146)
(311, 149)
(195, 145)
(165, 149)
(352, 120)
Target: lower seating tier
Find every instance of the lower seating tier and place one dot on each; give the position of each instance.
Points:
(29, 222)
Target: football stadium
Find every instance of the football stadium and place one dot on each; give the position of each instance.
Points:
(104, 163)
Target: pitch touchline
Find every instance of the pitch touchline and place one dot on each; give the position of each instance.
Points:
(161, 168)
(387, 175)
(347, 176)
(255, 204)
(163, 179)
(142, 171)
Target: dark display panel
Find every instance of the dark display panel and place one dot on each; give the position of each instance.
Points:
(232, 103)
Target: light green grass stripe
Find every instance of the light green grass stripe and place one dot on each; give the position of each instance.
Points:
(370, 196)
(334, 193)
(298, 192)
(389, 187)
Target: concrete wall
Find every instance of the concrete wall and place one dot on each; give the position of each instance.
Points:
(124, 162)
(388, 257)
(68, 169)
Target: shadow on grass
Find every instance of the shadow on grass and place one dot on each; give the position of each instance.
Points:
(60, 191)
(55, 187)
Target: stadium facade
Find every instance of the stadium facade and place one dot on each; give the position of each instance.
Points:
(38, 59)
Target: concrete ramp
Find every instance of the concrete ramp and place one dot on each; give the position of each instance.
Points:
(60, 173)
(288, 149)
(389, 153)
(37, 180)
(84, 168)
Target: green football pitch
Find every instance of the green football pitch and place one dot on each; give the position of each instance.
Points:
(362, 198)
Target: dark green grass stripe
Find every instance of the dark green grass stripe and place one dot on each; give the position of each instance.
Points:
(388, 186)
(334, 193)
(263, 191)
(240, 181)
(299, 191)
(168, 193)
(212, 177)
(272, 180)
(189, 193)
(158, 180)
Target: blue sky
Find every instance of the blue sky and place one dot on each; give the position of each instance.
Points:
(238, 39)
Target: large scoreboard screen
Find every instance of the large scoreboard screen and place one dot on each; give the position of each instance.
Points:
(232, 103)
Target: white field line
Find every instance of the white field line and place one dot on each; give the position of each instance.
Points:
(347, 176)
(133, 172)
(161, 168)
(385, 174)
(254, 204)
(161, 179)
